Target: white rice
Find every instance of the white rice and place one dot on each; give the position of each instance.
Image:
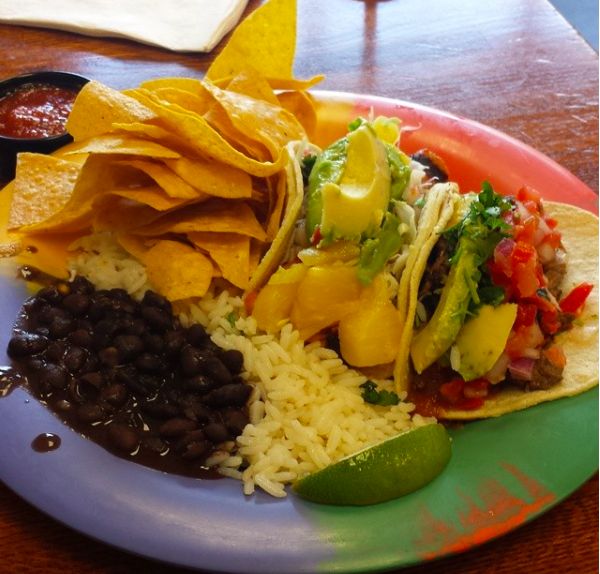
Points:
(306, 409)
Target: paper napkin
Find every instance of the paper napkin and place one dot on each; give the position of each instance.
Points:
(179, 25)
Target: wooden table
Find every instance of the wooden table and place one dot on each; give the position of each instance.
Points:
(515, 65)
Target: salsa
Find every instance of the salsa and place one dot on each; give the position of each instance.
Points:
(35, 111)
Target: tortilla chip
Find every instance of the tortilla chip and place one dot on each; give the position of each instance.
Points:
(153, 196)
(266, 40)
(202, 137)
(294, 83)
(218, 119)
(270, 124)
(135, 245)
(250, 83)
(10, 242)
(126, 145)
(114, 213)
(98, 174)
(230, 251)
(43, 184)
(97, 107)
(302, 106)
(579, 231)
(211, 178)
(171, 183)
(213, 215)
(177, 270)
(197, 103)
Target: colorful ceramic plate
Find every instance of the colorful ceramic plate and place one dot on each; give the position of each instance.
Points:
(503, 472)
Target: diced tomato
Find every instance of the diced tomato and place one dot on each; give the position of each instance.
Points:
(464, 396)
(316, 236)
(526, 314)
(523, 253)
(574, 301)
(553, 239)
(525, 231)
(524, 339)
(551, 222)
(452, 390)
(549, 321)
(478, 388)
(556, 356)
(249, 301)
(471, 404)
(527, 193)
(526, 279)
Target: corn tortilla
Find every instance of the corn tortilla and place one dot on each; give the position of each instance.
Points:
(579, 231)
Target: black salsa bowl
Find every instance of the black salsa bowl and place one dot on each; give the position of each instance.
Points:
(14, 137)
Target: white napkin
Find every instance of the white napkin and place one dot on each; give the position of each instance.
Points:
(179, 25)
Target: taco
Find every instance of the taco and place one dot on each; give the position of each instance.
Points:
(360, 217)
(507, 308)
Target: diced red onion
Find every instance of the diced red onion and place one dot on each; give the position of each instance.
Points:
(504, 248)
(522, 368)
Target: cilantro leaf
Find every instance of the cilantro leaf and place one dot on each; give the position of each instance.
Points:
(483, 226)
(383, 398)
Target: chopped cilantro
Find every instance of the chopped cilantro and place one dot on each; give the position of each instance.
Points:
(482, 228)
(232, 318)
(306, 167)
(384, 398)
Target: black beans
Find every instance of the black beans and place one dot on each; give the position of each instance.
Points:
(233, 360)
(232, 394)
(23, 344)
(216, 432)
(128, 375)
(55, 375)
(157, 318)
(176, 427)
(129, 346)
(76, 303)
(74, 359)
(123, 437)
(196, 335)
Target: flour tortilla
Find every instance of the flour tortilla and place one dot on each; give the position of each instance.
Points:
(294, 197)
(579, 230)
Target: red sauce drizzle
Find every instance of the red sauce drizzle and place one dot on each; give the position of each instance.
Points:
(35, 111)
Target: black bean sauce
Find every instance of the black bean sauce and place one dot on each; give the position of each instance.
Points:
(129, 376)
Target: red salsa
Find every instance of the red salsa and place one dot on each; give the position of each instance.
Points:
(35, 111)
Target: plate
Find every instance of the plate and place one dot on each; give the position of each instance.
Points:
(503, 472)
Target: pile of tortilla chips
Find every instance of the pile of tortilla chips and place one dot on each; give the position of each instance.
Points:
(189, 175)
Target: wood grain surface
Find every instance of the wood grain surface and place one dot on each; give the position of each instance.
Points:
(515, 65)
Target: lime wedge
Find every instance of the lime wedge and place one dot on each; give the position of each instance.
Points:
(389, 469)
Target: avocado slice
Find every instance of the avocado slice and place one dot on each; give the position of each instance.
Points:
(439, 333)
(355, 205)
(349, 188)
(328, 167)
